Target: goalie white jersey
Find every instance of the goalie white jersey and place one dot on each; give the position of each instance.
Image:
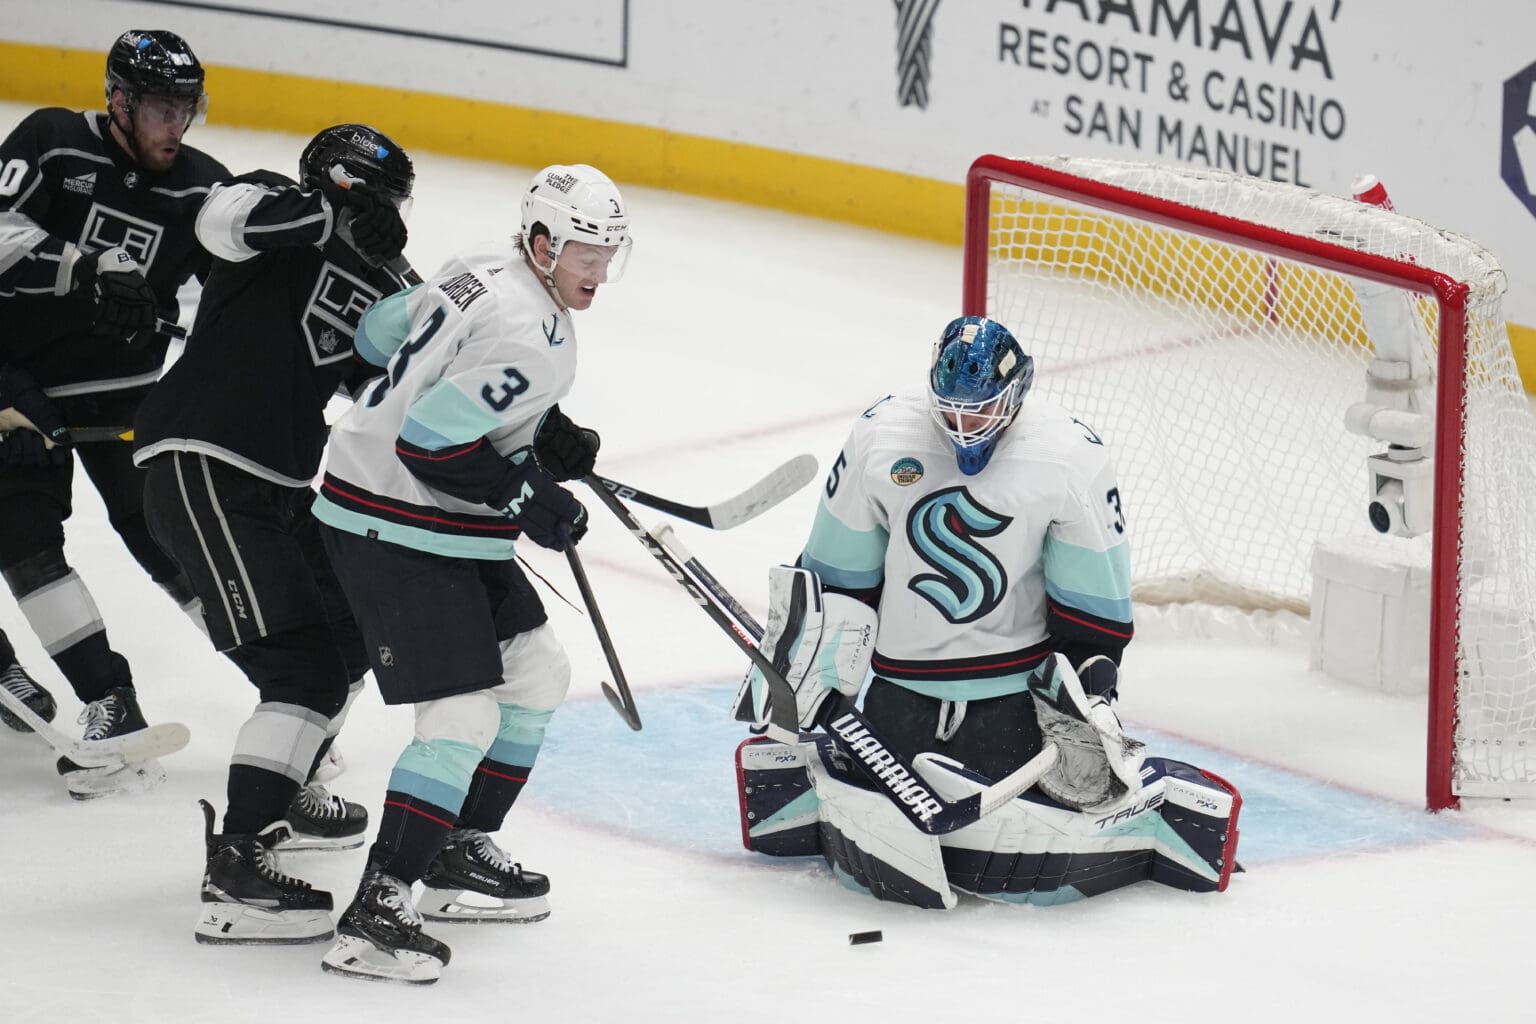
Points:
(980, 577)
(477, 354)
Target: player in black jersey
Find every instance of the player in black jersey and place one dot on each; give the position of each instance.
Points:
(96, 236)
(231, 440)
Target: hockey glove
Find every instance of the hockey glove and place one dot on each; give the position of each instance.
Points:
(125, 303)
(1098, 762)
(369, 221)
(817, 642)
(564, 450)
(548, 514)
(37, 434)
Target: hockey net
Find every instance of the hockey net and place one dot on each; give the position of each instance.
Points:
(1208, 326)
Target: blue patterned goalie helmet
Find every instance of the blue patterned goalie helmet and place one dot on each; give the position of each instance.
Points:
(977, 381)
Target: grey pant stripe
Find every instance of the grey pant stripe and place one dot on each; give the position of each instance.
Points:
(229, 543)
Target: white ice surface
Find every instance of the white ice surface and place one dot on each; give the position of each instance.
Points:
(738, 338)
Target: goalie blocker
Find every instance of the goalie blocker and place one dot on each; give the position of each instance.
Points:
(1145, 817)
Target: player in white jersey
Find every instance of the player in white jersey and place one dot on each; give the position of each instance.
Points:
(970, 549)
(434, 474)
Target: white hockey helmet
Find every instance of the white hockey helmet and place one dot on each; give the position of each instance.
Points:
(577, 203)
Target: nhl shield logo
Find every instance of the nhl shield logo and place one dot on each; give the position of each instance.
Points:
(906, 471)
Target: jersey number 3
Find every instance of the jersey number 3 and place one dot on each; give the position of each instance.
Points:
(498, 399)
(402, 358)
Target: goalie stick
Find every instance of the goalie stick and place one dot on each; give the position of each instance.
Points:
(723, 515)
(129, 748)
(849, 729)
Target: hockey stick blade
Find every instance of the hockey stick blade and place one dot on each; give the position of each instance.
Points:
(732, 512)
(155, 741)
(628, 712)
(848, 727)
(625, 704)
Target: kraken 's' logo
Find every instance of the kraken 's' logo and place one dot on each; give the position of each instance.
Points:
(969, 581)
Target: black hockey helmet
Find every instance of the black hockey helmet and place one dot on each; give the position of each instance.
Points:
(364, 153)
(155, 62)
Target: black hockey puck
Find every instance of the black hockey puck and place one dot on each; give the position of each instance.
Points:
(861, 938)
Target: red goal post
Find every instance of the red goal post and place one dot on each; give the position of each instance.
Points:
(1210, 326)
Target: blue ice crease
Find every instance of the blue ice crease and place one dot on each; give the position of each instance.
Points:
(674, 783)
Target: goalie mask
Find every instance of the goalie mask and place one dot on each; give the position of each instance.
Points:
(577, 203)
(976, 383)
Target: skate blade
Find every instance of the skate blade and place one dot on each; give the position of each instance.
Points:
(468, 907)
(300, 843)
(235, 924)
(94, 783)
(353, 957)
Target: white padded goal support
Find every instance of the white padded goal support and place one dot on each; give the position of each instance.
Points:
(1210, 327)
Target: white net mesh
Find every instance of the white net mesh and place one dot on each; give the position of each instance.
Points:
(1220, 372)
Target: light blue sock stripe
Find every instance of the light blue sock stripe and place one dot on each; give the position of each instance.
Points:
(437, 771)
(520, 736)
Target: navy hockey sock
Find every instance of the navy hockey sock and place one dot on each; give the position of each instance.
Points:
(411, 832)
(492, 792)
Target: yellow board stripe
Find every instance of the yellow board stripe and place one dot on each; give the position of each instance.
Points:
(850, 193)
(867, 196)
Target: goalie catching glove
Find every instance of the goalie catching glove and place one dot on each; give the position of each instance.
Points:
(817, 642)
(1098, 761)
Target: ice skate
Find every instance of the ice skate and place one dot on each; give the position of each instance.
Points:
(320, 820)
(24, 688)
(379, 937)
(471, 879)
(248, 901)
(113, 715)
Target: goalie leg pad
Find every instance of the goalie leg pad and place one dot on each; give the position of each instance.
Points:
(871, 845)
(779, 808)
(1197, 845)
(1179, 828)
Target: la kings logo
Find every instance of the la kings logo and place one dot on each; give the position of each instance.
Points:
(335, 308)
(106, 227)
